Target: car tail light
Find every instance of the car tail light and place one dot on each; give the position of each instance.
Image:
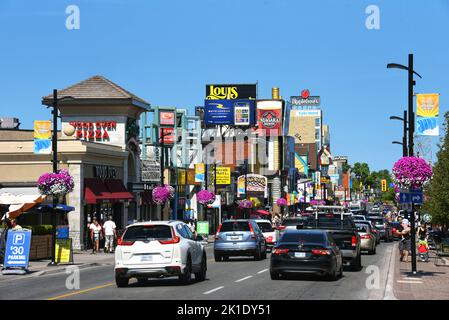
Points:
(174, 240)
(281, 227)
(120, 242)
(280, 251)
(269, 239)
(321, 252)
(253, 235)
(354, 241)
(365, 236)
(218, 231)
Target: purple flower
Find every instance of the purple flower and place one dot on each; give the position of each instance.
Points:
(246, 204)
(411, 173)
(205, 197)
(55, 184)
(282, 202)
(162, 193)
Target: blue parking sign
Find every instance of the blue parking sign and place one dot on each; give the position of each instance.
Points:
(17, 249)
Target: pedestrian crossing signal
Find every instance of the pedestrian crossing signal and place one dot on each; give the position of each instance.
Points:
(384, 185)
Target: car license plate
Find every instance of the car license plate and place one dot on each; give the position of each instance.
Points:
(146, 257)
(236, 238)
(300, 254)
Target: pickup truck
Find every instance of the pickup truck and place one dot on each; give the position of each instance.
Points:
(344, 233)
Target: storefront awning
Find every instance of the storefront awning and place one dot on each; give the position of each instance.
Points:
(96, 190)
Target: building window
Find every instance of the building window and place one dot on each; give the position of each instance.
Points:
(317, 122)
(317, 134)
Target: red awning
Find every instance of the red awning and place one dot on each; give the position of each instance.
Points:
(118, 190)
(97, 190)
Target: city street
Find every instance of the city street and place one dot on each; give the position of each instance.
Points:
(237, 279)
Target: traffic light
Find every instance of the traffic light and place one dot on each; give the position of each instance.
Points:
(384, 185)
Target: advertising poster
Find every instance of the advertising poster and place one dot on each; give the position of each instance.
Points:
(199, 172)
(168, 135)
(269, 117)
(427, 110)
(166, 118)
(223, 175)
(17, 251)
(202, 227)
(257, 185)
(218, 112)
(42, 137)
(231, 91)
(63, 250)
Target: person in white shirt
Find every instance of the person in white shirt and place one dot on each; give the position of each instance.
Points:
(110, 232)
(95, 234)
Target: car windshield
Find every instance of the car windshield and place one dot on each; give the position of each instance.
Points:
(148, 232)
(297, 237)
(235, 226)
(330, 222)
(265, 226)
(292, 222)
(362, 228)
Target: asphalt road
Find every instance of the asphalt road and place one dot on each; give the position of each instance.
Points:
(239, 278)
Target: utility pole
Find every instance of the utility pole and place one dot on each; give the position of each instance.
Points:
(55, 170)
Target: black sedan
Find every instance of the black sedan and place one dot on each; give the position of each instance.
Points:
(306, 252)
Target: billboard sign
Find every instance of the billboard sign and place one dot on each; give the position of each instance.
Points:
(223, 175)
(305, 99)
(269, 117)
(199, 172)
(166, 118)
(427, 109)
(167, 134)
(42, 137)
(229, 112)
(231, 91)
(244, 112)
(256, 185)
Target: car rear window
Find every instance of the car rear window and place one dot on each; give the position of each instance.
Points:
(148, 232)
(333, 222)
(235, 226)
(362, 227)
(265, 226)
(292, 222)
(302, 237)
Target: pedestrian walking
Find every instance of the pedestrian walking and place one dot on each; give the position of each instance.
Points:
(14, 225)
(110, 233)
(95, 235)
(422, 234)
(405, 245)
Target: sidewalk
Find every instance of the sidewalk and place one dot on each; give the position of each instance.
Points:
(81, 259)
(430, 282)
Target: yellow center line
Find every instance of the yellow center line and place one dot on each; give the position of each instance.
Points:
(82, 291)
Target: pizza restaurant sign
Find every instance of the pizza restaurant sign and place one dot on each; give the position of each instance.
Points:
(98, 130)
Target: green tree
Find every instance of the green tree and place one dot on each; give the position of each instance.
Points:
(361, 171)
(346, 167)
(437, 203)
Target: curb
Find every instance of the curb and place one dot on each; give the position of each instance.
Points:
(389, 288)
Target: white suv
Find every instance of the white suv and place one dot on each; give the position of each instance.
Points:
(159, 249)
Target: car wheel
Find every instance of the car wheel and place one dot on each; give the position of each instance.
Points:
(340, 274)
(333, 275)
(186, 276)
(274, 275)
(201, 275)
(357, 264)
(121, 281)
(217, 258)
(258, 255)
(264, 255)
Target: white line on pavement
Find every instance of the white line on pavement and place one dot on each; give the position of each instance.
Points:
(408, 281)
(262, 271)
(243, 279)
(213, 290)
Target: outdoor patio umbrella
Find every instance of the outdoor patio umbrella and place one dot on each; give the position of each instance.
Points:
(19, 203)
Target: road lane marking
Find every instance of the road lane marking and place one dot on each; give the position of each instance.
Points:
(262, 271)
(82, 291)
(243, 279)
(409, 281)
(213, 290)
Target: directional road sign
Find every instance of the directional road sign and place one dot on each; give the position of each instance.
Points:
(417, 198)
(404, 198)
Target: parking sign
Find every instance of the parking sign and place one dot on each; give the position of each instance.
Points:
(17, 249)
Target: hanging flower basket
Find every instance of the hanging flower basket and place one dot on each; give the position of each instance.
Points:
(411, 173)
(163, 193)
(317, 202)
(55, 184)
(245, 204)
(281, 202)
(205, 197)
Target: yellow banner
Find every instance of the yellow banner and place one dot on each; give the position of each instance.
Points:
(42, 129)
(199, 172)
(223, 175)
(63, 249)
(427, 105)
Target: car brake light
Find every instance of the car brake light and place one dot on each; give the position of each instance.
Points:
(174, 240)
(321, 252)
(281, 227)
(280, 251)
(365, 236)
(354, 241)
(218, 231)
(253, 236)
(269, 238)
(120, 242)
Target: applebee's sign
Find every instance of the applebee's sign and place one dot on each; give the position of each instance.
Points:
(305, 99)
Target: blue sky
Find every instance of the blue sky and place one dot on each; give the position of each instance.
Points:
(166, 51)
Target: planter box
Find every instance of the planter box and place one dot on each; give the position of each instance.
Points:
(40, 247)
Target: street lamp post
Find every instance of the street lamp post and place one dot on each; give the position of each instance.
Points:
(404, 136)
(411, 130)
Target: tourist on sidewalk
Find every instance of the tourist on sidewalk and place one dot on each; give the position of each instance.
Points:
(110, 233)
(14, 225)
(95, 235)
(405, 244)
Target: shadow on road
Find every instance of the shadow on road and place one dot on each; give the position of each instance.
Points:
(167, 282)
(308, 277)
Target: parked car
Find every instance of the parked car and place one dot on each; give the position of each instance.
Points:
(239, 237)
(373, 229)
(386, 232)
(306, 252)
(290, 223)
(159, 249)
(368, 241)
(269, 232)
(343, 231)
